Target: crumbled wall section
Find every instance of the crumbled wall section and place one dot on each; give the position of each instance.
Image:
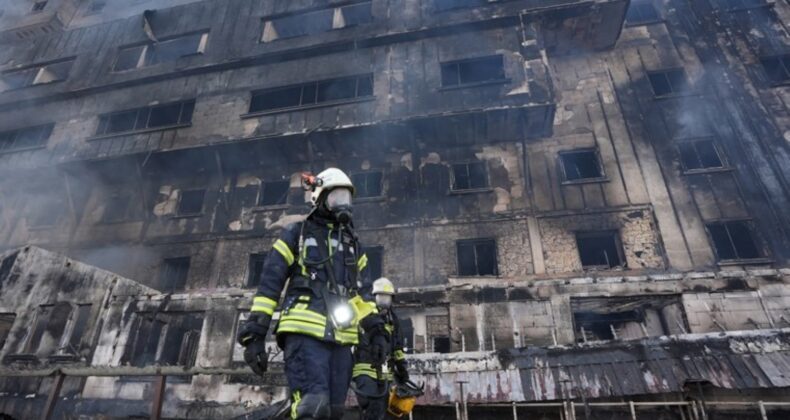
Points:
(637, 231)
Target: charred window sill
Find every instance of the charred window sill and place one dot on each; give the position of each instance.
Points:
(679, 95)
(474, 85)
(471, 191)
(26, 149)
(261, 209)
(16, 89)
(303, 108)
(750, 261)
(20, 358)
(603, 269)
(188, 216)
(586, 181)
(708, 171)
(147, 130)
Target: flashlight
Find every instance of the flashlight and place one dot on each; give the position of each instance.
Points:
(342, 315)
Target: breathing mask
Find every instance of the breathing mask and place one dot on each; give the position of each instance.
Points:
(338, 201)
(383, 301)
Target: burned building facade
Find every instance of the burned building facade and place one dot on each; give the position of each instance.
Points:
(584, 204)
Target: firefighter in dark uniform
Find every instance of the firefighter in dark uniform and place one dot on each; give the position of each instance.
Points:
(371, 379)
(323, 306)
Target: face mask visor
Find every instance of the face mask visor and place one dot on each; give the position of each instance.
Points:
(383, 301)
(339, 198)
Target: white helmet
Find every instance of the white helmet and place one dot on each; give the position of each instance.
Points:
(330, 179)
(383, 286)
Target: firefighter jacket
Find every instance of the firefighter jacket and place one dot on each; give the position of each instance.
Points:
(362, 355)
(304, 253)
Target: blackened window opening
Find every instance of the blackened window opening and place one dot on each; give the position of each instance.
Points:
(698, 155)
(641, 12)
(668, 82)
(164, 51)
(174, 273)
(255, 270)
(150, 117)
(37, 75)
(441, 344)
(469, 176)
(733, 240)
(471, 71)
(477, 257)
(25, 138)
(39, 6)
(49, 329)
(164, 339)
(191, 202)
(627, 317)
(406, 328)
(317, 21)
(6, 323)
(375, 259)
(599, 249)
(367, 184)
(777, 68)
(274, 193)
(581, 165)
(313, 93)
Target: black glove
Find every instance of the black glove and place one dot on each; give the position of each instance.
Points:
(401, 371)
(255, 328)
(256, 356)
(379, 346)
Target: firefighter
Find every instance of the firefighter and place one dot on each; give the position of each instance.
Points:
(371, 378)
(322, 307)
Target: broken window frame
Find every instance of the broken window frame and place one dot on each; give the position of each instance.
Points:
(189, 345)
(594, 152)
(475, 243)
(8, 139)
(600, 234)
(783, 65)
(455, 67)
(36, 74)
(79, 316)
(362, 185)
(173, 277)
(309, 95)
(282, 200)
(644, 12)
(142, 119)
(473, 186)
(253, 274)
(335, 19)
(181, 212)
(684, 89)
(653, 302)
(147, 51)
(694, 145)
(746, 226)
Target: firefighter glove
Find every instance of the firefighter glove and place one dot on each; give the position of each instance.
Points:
(255, 328)
(401, 371)
(256, 356)
(378, 349)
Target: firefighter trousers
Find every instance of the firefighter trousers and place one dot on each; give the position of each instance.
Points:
(373, 404)
(318, 374)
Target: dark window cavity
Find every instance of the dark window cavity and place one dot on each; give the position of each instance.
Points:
(777, 68)
(471, 71)
(25, 138)
(36, 75)
(668, 82)
(149, 54)
(58, 329)
(274, 193)
(599, 250)
(255, 269)
(315, 22)
(313, 93)
(441, 344)
(733, 240)
(477, 257)
(117, 208)
(191, 202)
(699, 155)
(580, 165)
(470, 176)
(641, 12)
(169, 339)
(173, 274)
(441, 5)
(150, 117)
(367, 184)
(39, 6)
(6, 323)
(375, 260)
(626, 318)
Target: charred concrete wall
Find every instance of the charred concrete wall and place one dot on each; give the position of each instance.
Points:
(601, 164)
